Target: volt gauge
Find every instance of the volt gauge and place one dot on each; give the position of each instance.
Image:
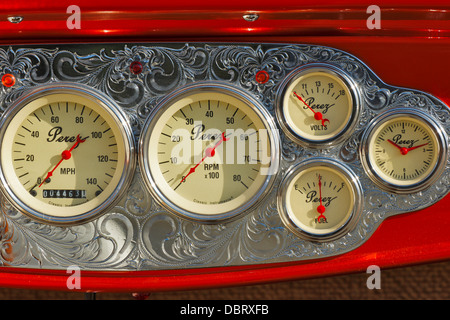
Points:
(317, 105)
(320, 200)
(404, 150)
(67, 153)
(209, 152)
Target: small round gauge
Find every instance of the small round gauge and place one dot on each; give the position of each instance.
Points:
(318, 105)
(320, 200)
(66, 153)
(209, 152)
(403, 150)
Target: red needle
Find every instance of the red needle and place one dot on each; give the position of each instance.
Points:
(209, 152)
(317, 115)
(412, 148)
(65, 155)
(404, 150)
(321, 209)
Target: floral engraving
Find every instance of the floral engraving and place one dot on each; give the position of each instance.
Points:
(138, 234)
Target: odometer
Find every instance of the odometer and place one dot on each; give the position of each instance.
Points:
(64, 194)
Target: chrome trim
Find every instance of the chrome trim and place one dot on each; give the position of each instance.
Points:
(15, 19)
(250, 17)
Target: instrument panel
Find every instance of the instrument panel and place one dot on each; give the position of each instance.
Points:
(153, 157)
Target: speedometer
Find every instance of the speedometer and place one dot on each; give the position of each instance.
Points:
(209, 152)
(66, 151)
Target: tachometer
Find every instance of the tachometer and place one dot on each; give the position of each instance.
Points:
(209, 152)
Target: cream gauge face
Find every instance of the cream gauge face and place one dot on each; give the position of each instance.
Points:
(208, 152)
(404, 151)
(319, 200)
(318, 105)
(64, 154)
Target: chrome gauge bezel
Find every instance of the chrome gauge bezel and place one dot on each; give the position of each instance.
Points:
(329, 69)
(163, 106)
(340, 231)
(434, 127)
(120, 120)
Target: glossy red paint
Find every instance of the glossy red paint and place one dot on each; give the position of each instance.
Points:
(149, 20)
(411, 50)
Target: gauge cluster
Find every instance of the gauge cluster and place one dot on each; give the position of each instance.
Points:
(150, 157)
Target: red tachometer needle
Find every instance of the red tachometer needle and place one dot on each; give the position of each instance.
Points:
(317, 115)
(209, 152)
(321, 208)
(65, 155)
(404, 150)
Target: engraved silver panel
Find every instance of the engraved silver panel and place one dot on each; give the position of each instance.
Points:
(138, 234)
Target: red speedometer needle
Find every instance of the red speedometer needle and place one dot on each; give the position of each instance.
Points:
(65, 155)
(321, 208)
(209, 152)
(404, 150)
(317, 115)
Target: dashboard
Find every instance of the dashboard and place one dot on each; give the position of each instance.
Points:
(197, 163)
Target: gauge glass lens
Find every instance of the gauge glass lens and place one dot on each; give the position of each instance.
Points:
(317, 106)
(403, 151)
(63, 155)
(209, 154)
(318, 200)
